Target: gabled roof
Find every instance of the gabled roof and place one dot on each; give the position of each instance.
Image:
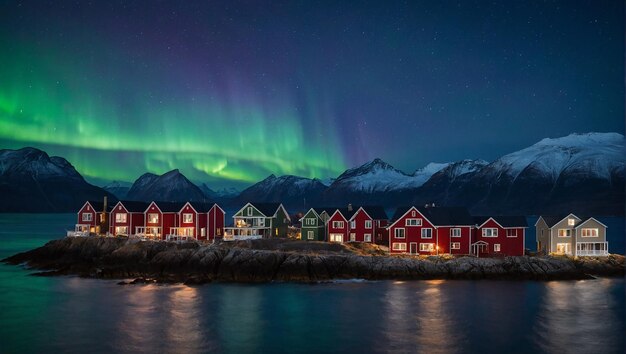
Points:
(589, 219)
(376, 212)
(169, 207)
(344, 211)
(98, 205)
(133, 206)
(328, 210)
(553, 220)
(267, 209)
(308, 211)
(400, 211)
(504, 221)
(447, 216)
(199, 207)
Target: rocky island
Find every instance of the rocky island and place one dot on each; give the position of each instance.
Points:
(286, 260)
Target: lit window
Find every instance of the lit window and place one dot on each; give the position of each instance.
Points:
(589, 233)
(187, 218)
(427, 247)
(511, 233)
(455, 245)
(427, 233)
(120, 217)
(352, 237)
(456, 232)
(571, 222)
(153, 218)
(399, 233)
(565, 232)
(496, 247)
(397, 246)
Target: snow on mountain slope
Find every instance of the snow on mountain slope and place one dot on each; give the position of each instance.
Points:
(172, 186)
(282, 188)
(35, 163)
(379, 176)
(597, 154)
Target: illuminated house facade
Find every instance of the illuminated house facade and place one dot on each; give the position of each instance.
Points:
(571, 235)
(258, 220)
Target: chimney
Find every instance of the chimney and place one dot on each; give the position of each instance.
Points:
(349, 206)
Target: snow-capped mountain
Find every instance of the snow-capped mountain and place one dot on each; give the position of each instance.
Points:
(118, 188)
(32, 181)
(579, 173)
(289, 190)
(172, 186)
(222, 193)
(423, 174)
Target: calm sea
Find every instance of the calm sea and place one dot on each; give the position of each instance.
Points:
(69, 314)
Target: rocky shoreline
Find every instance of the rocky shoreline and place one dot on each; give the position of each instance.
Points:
(285, 260)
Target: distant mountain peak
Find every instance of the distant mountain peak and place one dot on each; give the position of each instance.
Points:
(171, 186)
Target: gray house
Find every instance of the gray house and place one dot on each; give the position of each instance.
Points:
(571, 235)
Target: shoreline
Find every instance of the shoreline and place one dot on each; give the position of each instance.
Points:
(276, 260)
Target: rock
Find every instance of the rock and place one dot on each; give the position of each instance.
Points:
(286, 260)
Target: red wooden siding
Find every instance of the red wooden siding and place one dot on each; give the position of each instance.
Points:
(509, 246)
(412, 234)
(359, 229)
(338, 230)
(215, 223)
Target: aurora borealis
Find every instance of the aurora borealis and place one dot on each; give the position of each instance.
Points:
(231, 92)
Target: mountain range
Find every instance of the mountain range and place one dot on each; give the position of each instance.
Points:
(580, 173)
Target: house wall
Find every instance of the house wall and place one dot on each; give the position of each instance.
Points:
(120, 209)
(318, 230)
(542, 233)
(337, 230)
(591, 224)
(444, 240)
(87, 209)
(571, 240)
(137, 219)
(280, 224)
(509, 246)
(153, 209)
(413, 234)
(187, 209)
(215, 223)
(381, 235)
(359, 229)
(170, 220)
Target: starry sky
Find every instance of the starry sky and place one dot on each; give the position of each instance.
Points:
(230, 92)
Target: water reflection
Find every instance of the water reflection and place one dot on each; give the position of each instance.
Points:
(418, 317)
(579, 316)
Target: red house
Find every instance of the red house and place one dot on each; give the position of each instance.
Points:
(338, 226)
(430, 230)
(92, 217)
(499, 236)
(160, 217)
(215, 222)
(192, 222)
(367, 224)
(126, 216)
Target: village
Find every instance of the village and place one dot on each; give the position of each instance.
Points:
(412, 230)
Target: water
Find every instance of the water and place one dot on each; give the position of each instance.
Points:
(69, 314)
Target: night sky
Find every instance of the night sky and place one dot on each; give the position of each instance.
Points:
(230, 93)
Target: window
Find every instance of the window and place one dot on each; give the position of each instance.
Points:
(336, 238)
(397, 246)
(309, 221)
(120, 217)
(511, 233)
(153, 218)
(589, 233)
(203, 232)
(565, 232)
(219, 231)
(187, 218)
(496, 247)
(261, 222)
(338, 224)
(490, 232)
(249, 211)
(352, 237)
(353, 224)
(456, 232)
(571, 222)
(87, 217)
(310, 235)
(413, 222)
(276, 231)
(367, 237)
(427, 233)
(399, 233)
(455, 245)
(427, 247)
(413, 213)
(368, 224)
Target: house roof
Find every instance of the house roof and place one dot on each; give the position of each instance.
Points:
(200, 207)
(376, 212)
(344, 211)
(268, 209)
(504, 221)
(134, 206)
(99, 205)
(447, 216)
(552, 220)
(328, 210)
(169, 207)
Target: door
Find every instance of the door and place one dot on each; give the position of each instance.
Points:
(563, 248)
(413, 247)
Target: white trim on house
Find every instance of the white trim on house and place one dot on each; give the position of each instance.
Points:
(403, 215)
(483, 232)
(452, 233)
(596, 220)
(395, 232)
(425, 229)
(401, 246)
